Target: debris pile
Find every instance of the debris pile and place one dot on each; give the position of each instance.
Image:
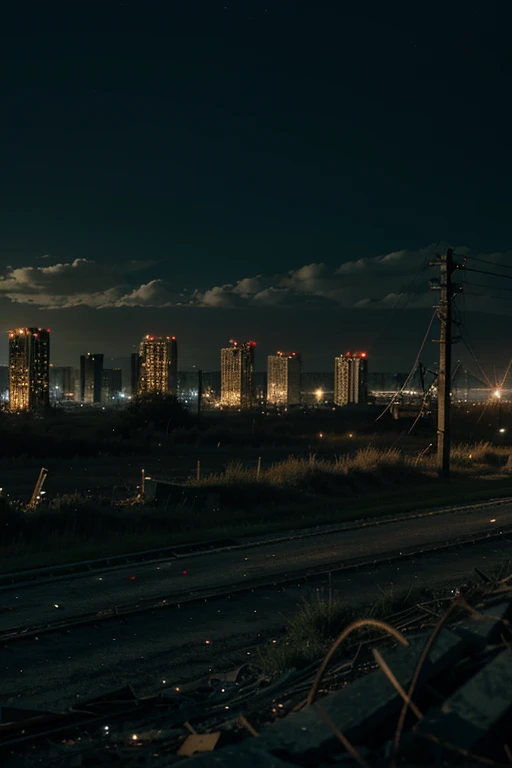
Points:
(430, 686)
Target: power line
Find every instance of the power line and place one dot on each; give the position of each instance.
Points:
(467, 343)
(483, 272)
(464, 334)
(478, 420)
(506, 374)
(423, 404)
(462, 313)
(412, 371)
(488, 296)
(491, 287)
(492, 263)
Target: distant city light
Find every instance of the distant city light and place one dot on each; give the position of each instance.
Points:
(236, 374)
(156, 366)
(283, 379)
(350, 379)
(29, 368)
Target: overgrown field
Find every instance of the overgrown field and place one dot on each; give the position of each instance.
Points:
(288, 494)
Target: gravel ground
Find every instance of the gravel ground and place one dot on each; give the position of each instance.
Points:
(183, 643)
(93, 592)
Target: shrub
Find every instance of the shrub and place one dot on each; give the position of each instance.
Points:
(163, 413)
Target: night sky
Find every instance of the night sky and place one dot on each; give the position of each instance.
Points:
(268, 169)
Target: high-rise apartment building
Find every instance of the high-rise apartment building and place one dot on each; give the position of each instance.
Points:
(259, 387)
(351, 379)
(211, 386)
(236, 375)
(91, 378)
(62, 383)
(29, 366)
(283, 387)
(112, 385)
(158, 365)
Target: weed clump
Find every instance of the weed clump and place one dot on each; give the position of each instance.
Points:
(320, 619)
(309, 633)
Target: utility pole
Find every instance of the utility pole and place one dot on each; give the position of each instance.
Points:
(444, 312)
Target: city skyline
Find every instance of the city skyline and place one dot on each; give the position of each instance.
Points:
(236, 384)
(127, 361)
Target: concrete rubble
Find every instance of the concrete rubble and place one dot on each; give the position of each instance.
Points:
(461, 711)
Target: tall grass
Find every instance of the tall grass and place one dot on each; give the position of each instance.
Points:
(288, 494)
(480, 455)
(365, 469)
(320, 618)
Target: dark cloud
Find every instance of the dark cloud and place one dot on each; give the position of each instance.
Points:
(82, 283)
(394, 280)
(156, 293)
